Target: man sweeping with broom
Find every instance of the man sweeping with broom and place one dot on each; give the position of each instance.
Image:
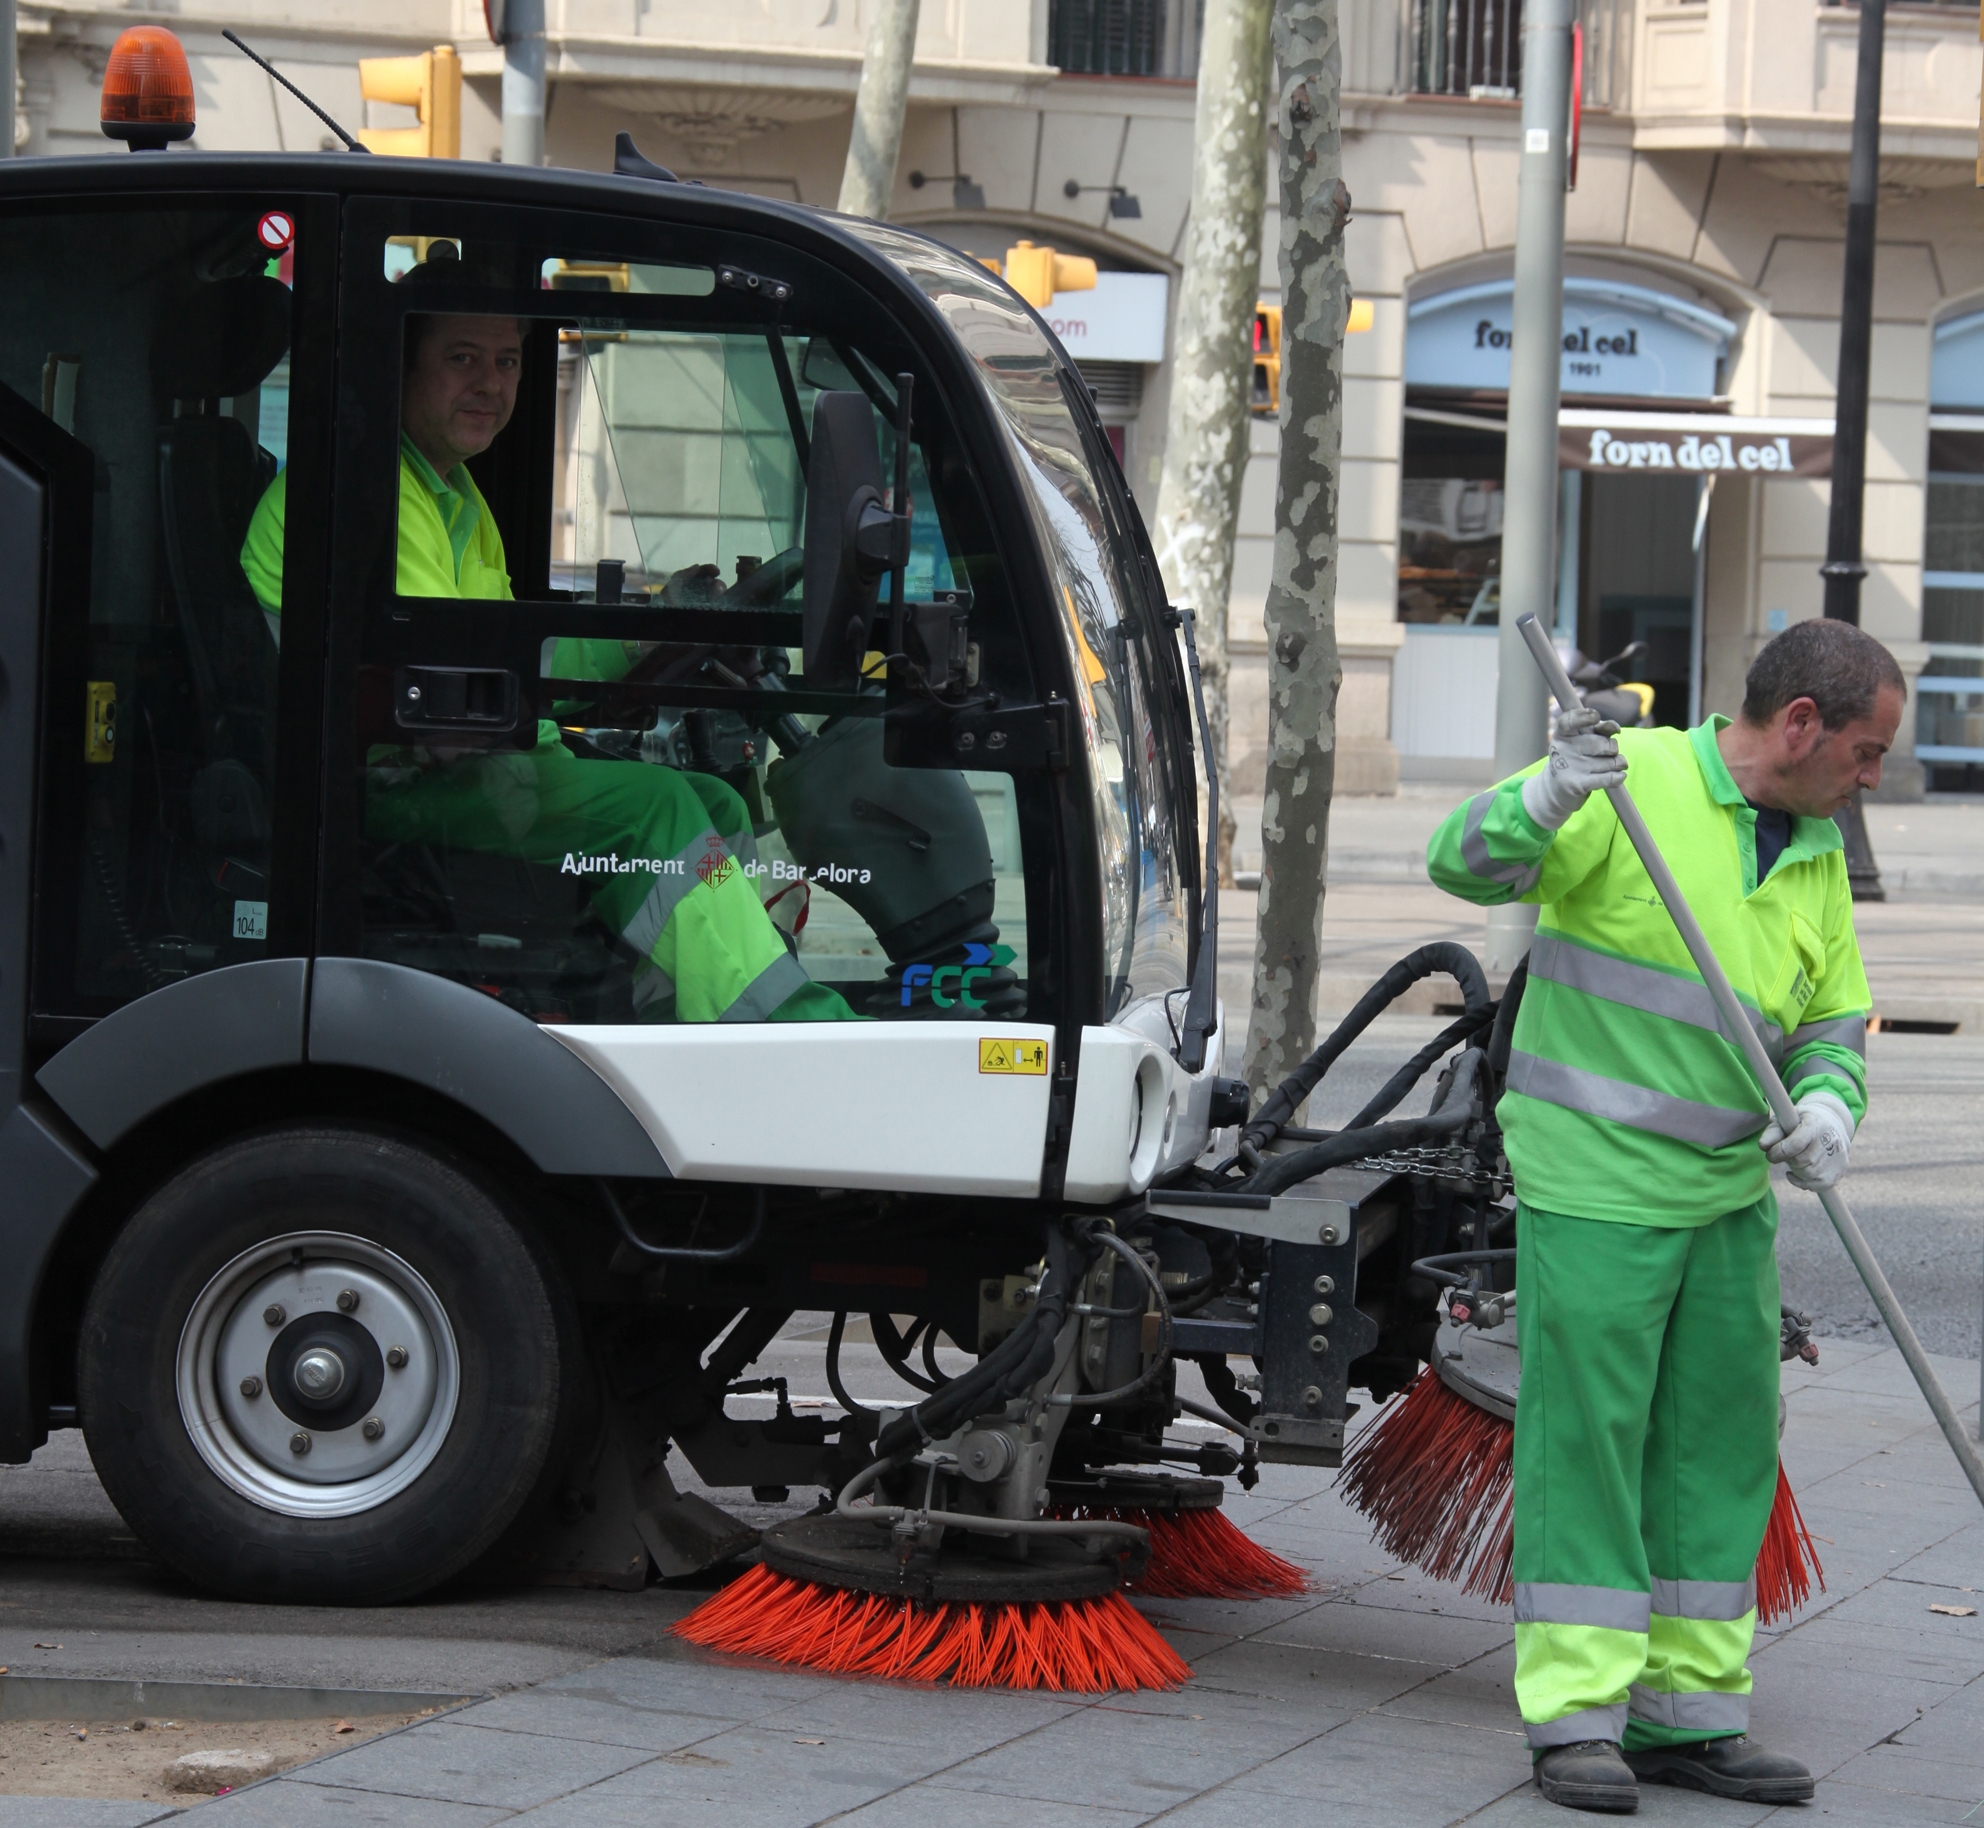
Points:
(1646, 1430)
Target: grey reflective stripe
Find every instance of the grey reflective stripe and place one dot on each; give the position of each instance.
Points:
(1812, 1068)
(1571, 1729)
(765, 992)
(1713, 1126)
(1474, 850)
(1704, 1710)
(644, 931)
(1847, 1031)
(1611, 1608)
(1704, 1599)
(1618, 980)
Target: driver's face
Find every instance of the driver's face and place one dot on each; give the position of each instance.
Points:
(462, 387)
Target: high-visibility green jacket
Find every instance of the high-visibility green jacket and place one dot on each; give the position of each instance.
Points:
(1624, 1099)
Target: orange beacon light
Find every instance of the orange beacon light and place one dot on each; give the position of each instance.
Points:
(148, 90)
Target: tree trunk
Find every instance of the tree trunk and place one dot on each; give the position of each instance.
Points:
(1303, 669)
(1205, 441)
(870, 178)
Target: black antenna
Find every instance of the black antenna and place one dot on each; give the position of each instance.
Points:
(350, 145)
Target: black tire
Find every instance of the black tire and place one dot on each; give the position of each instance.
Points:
(476, 1470)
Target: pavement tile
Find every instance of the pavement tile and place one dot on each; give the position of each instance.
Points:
(1956, 1561)
(587, 1714)
(291, 1802)
(78, 1812)
(966, 1719)
(1862, 1807)
(1307, 1682)
(1915, 1770)
(1660, 1805)
(735, 1688)
(1825, 1715)
(1422, 1770)
(1378, 1630)
(1913, 1652)
(1480, 1694)
(1143, 1760)
(473, 1764)
(920, 1805)
(748, 1778)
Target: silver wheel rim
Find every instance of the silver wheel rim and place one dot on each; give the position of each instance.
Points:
(250, 1439)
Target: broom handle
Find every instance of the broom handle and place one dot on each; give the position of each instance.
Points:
(1746, 1037)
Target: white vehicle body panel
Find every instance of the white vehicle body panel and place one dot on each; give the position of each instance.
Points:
(1138, 1113)
(893, 1106)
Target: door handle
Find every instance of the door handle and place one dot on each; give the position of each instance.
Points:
(483, 699)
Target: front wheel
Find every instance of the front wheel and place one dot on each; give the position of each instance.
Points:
(320, 1365)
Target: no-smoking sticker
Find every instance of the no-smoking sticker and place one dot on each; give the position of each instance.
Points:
(276, 230)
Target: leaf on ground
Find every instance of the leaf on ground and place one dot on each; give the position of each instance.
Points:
(1956, 1612)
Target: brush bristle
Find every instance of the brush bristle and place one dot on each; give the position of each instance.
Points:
(1437, 1479)
(1201, 1555)
(1088, 1646)
(1782, 1580)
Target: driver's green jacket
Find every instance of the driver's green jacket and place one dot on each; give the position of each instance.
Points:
(1624, 1099)
(658, 850)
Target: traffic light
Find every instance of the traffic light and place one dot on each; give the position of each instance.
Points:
(431, 82)
(1265, 394)
(1036, 274)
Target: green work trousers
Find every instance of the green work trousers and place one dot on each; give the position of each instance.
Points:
(1646, 1465)
(659, 852)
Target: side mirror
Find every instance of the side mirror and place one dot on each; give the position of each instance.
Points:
(851, 540)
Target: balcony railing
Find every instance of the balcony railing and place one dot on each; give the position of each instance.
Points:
(1473, 48)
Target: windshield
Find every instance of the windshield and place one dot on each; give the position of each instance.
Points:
(1103, 617)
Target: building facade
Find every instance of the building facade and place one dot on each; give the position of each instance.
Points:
(1704, 246)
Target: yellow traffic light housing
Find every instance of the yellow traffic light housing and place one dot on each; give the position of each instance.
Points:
(1036, 274)
(432, 83)
(1265, 394)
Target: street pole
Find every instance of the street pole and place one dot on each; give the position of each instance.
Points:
(9, 76)
(1843, 568)
(869, 179)
(523, 83)
(1529, 481)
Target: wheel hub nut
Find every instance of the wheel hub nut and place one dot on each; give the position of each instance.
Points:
(373, 1428)
(347, 1300)
(299, 1442)
(396, 1357)
(274, 1314)
(251, 1387)
(319, 1373)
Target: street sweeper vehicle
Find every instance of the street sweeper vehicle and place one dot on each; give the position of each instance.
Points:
(589, 763)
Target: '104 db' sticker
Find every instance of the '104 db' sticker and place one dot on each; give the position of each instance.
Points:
(1005, 1054)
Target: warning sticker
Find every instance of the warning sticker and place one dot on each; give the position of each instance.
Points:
(1012, 1055)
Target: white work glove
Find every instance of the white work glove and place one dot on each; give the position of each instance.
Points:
(1584, 759)
(1816, 1151)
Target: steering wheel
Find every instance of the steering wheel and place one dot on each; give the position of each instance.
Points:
(768, 583)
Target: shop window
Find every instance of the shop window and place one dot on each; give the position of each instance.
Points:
(1949, 703)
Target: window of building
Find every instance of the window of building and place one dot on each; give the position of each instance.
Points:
(1125, 37)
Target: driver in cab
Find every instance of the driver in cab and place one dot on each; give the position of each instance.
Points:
(661, 844)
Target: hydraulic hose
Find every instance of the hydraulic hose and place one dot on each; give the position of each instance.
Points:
(1736, 1026)
(1077, 1399)
(1457, 1109)
(1414, 1069)
(1442, 955)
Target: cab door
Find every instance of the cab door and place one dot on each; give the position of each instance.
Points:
(576, 760)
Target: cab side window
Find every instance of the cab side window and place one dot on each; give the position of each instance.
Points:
(683, 824)
(148, 351)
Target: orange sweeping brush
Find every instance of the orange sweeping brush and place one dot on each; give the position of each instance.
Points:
(1437, 1477)
(1083, 1646)
(1195, 1551)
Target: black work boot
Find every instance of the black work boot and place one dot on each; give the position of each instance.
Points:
(1726, 1767)
(1588, 1775)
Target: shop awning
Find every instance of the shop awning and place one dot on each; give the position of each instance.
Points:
(1692, 444)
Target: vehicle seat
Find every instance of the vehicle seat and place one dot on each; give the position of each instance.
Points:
(220, 342)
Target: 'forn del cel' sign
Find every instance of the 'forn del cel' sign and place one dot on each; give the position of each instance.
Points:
(1693, 444)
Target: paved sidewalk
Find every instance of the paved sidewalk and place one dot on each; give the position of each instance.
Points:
(1380, 1701)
